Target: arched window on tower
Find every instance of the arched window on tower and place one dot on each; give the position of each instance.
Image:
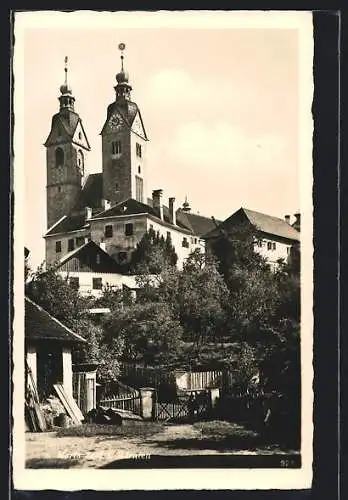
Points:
(59, 157)
(80, 162)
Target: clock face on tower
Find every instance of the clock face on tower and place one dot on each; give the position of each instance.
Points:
(115, 121)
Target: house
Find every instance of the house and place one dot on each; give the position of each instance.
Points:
(48, 350)
(276, 238)
(89, 269)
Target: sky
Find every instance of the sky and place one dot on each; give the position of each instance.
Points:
(220, 104)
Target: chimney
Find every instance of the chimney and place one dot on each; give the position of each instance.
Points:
(297, 223)
(172, 213)
(106, 204)
(88, 213)
(287, 219)
(156, 200)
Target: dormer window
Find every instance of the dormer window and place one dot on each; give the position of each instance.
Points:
(116, 147)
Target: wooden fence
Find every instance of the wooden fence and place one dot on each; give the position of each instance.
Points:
(130, 402)
(168, 382)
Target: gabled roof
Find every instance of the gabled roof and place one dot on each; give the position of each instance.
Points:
(66, 123)
(87, 255)
(267, 224)
(134, 207)
(40, 325)
(199, 224)
(127, 207)
(127, 109)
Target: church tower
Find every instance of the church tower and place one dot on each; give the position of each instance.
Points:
(66, 150)
(123, 145)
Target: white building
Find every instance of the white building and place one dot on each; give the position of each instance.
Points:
(275, 238)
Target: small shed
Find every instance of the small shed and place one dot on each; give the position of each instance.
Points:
(48, 349)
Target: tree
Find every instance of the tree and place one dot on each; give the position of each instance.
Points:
(149, 331)
(153, 253)
(202, 298)
(54, 294)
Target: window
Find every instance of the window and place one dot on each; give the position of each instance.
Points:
(259, 243)
(80, 135)
(185, 242)
(80, 240)
(273, 246)
(116, 148)
(139, 169)
(122, 256)
(128, 229)
(108, 231)
(97, 258)
(139, 188)
(138, 149)
(269, 245)
(168, 235)
(97, 283)
(58, 246)
(59, 157)
(80, 161)
(71, 245)
(74, 283)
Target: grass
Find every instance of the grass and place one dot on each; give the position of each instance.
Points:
(50, 463)
(221, 436)
(222, 429)
(127, 430)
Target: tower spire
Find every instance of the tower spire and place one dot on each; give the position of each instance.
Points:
(66, 99)
(66, 70)
(186, 206)
(122, 88)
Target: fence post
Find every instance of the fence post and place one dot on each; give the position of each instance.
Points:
(147, 402)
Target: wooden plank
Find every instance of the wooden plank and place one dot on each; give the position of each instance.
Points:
(69, 404)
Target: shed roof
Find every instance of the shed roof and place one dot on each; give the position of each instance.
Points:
(40, 325)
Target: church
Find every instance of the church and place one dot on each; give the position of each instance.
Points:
(110, 208)
(96, 220)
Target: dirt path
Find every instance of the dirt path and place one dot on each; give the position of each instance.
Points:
(48, 450)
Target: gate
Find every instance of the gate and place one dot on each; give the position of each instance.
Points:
(185, 408)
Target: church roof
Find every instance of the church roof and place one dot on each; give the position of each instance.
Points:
(127, 109)
(92, 192)
(40, 325)
(262, 222)
(64, 123)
